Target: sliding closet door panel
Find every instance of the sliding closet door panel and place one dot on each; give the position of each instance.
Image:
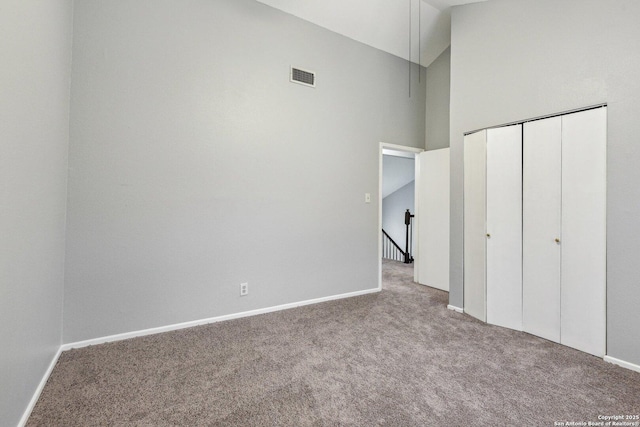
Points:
(474, 224)
(433, 219)
(504, 226)
(542, 198)
(583, 302)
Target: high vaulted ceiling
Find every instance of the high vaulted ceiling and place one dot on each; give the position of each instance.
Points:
(383, 24)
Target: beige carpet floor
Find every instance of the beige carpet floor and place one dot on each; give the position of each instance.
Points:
(396, 358)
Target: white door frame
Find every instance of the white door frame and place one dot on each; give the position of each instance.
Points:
(408, 150)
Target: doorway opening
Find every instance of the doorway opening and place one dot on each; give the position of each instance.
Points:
(397, 223)
(429, 225)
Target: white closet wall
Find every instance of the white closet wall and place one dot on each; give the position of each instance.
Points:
(504, 226)
(564, 234)
(493, 226)
(535, 228)
(475, 154)
(541, 227)
(583, 278)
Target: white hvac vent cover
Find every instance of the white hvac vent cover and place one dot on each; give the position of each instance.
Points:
(303, 77)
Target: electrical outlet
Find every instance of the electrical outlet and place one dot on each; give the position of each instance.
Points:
(244, 289)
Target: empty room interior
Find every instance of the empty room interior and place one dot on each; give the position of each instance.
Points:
(192, 218)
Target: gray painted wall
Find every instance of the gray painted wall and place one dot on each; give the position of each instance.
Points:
(512, 60)
(393, 209)
(195, 165)
(438, 96)
(396, 173)
(35, 47)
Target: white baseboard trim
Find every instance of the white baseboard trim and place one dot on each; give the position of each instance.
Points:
(454, 308)
(622, 363)
(151, 331)
(36, 394)
(174, 327)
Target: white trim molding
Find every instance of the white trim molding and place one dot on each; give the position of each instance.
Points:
(36, 394)
(454, 308)
(622, 363)
(158, 330)
(177, 326)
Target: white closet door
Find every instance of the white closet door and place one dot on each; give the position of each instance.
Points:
(433, 219)
(475, 146)
(504, 226)
(583, 297)
(542, 198)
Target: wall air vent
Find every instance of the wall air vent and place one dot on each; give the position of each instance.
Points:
(303, 77)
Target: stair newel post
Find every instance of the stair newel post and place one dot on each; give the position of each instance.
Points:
(407, 222)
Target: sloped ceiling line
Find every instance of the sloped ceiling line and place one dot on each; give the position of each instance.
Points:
(382, 24)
